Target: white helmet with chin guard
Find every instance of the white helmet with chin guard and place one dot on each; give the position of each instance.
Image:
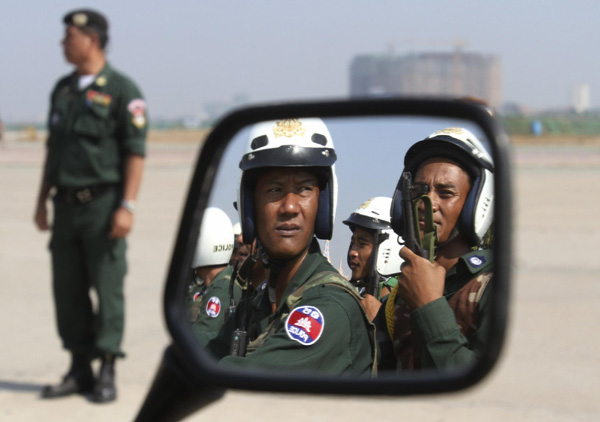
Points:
(462, 146)
(295, 143)
(215, 243)
(374, 216)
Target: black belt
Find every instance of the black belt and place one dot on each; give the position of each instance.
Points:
(82, 195)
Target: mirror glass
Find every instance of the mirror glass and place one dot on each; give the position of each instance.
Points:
(370, 155)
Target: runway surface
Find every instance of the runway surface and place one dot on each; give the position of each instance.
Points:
(549, 370)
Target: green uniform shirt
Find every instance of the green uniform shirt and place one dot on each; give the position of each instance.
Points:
(92, 130)
(194, 297)
(325, 331)
(389, 282)
(214, 306)
(441, 342)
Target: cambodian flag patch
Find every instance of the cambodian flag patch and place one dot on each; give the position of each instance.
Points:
(305, 325)
(213, 307)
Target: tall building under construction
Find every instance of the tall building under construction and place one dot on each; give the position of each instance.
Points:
(456, 74)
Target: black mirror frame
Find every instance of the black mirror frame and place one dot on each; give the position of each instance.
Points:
(186, 348)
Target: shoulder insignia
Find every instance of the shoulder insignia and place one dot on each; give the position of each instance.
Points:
(213, 307)
(137, 108)
(305, 325)
(477, 260)
(196, 296)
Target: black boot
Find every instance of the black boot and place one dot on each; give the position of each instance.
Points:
(105, 390)
(79, 379)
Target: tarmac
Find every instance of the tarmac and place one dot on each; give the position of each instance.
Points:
(549, 369)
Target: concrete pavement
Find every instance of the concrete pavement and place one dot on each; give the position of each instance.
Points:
(549, 368)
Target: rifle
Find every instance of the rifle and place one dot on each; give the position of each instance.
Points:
(411, 196)
(372, 281)
(239, 337)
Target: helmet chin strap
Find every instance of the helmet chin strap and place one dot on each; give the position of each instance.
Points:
(453, 234)
(276, 266)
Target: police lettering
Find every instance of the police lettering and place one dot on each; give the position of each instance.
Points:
(222, 248)
(298, 332)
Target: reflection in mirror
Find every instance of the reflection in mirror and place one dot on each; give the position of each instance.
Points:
(300, 264)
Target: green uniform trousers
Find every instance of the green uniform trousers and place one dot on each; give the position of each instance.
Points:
(84, 257)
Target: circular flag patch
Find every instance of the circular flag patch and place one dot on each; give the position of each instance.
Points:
(477, 261)
(213, 307)
(305, 325)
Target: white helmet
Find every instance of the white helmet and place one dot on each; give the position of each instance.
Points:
(215, 243)
(237, 229)
(296, 143)
(462, 146)
(374, 215)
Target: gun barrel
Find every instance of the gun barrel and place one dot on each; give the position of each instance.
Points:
(412, 233)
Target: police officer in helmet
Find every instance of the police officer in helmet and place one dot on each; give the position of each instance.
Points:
(211, 257)
(309, 318)
(438, 315)
(373, 253)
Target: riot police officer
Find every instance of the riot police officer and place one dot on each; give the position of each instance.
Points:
(438, 314)
(309, 317)
(211, 258)
(373, 254)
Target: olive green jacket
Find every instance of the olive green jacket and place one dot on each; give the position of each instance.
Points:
(214, 307)
(324, 330)
(92, 130)
(440, 340)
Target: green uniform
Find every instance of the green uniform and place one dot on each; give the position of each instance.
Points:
(319, 325)
(194, 297)
(448, 332)
(91, 132)
(389, 282)
(211, 316)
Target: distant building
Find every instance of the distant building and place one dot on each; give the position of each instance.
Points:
(580, 98)
(447, 74)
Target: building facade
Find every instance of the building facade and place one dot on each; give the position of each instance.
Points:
(454, 74)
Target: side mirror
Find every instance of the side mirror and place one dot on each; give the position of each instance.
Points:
(371, 138)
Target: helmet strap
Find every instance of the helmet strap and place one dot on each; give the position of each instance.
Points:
(453, 234)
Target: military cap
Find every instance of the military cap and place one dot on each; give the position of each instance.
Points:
(86, 18)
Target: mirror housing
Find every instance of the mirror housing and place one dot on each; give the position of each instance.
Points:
(185, 363)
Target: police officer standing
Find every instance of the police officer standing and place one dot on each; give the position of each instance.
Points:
(94, 162)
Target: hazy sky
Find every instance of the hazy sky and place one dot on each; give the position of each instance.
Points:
(184, 54)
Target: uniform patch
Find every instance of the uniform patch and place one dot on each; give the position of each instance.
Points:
(98, 98)
(477, 261)
(137, 108)
(196, 296)
(305, 325)
(213, 307)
